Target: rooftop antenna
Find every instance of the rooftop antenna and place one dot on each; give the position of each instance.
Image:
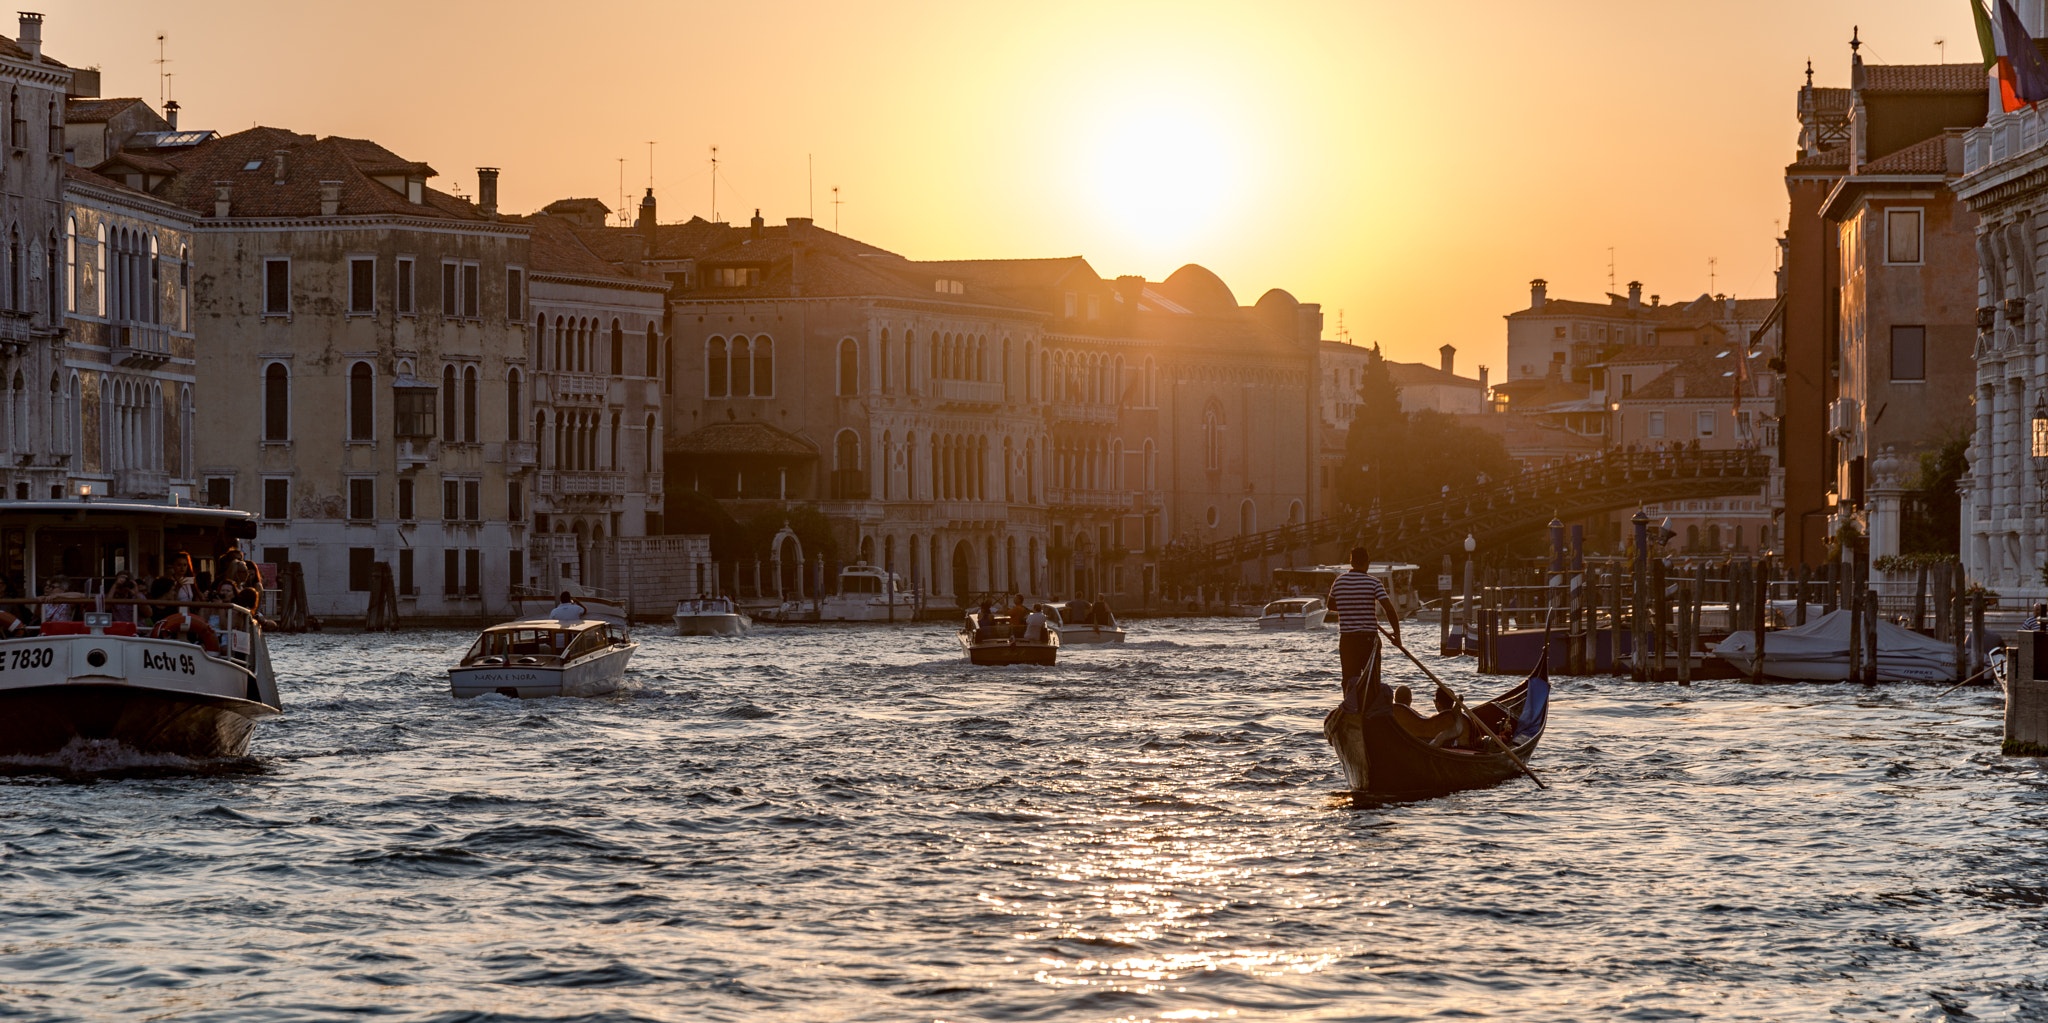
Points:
(1343, 334)
(811, 184)
(622, 191)
(163, 83)
(650, 166)
(835, 209)
(1713, 263)
(1610, 268)
(714, 184)
(1941, 50)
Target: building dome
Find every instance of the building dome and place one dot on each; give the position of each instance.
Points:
(1196, 288)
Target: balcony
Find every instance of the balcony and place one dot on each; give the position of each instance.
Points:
(848, 485)
(1842, 419)
(1074, 412)
(141, 483)
(969, 392)
(583, 483)
(520, 454)
(416, 452)
(580, 388)
(141, 345)
(1094, 500)
(14, 333)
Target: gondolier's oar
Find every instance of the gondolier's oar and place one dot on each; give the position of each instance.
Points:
(1469, 716)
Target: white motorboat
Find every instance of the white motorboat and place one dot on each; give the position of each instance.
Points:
(1294, 613)
(194, 685)
(711, 616)
(998, 640)
(1819, 652)
(544, 657)
(867, 593)
(1072, 632)
(1397, 576)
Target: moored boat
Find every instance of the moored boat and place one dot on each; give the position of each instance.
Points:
(1383, 759)
(544, 657)
(997, 640)
(866, 593)
(194, 685)
(1819, 652)
(1294, 613)
(711, 616)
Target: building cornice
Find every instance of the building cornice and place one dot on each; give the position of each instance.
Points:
(2006, 181)
(580, 280)
(216, 225)
(1857, 183)
(128, 198)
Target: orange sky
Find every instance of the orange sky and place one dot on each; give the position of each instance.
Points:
(1412, 164)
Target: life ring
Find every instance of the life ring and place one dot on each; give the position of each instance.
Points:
(9, 625)
(192, 625)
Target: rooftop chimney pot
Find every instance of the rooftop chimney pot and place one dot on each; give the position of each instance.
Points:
(1635, 294)
(222, 198)
(277, 166)
(487, 191)
(330, 198)
(1539, 293)
(1448, 355)
(31, 35)
(757, 222)
(171, 113)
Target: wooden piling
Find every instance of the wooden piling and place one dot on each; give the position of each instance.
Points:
(1444, 597)
(1760, 621)
(1855, 643)
(1976, 632)
(1662, 615)
(1870, 635)
(1919, 596)
(1687, 638)
(1638, 659)
(1828, 587)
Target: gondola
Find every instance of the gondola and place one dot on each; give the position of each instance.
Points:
(1383, 761)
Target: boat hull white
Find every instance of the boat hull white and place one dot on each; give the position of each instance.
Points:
(151, 695)
(596, 675)
(1313, 620)
(714, 625)
(1071, 634)
(1819, 652)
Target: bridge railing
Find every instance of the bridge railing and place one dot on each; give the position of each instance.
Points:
(1537, 485)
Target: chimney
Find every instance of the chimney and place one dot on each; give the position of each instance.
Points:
(1446, 356)
(31, 37)
(1482, 380)
(171, 113)
(1539, 293)
(757, 222)
(221, 191)
(277, 166)
(330, 198)
(487, 191)
(1653, 301)
(646, 224)
(1635, 295)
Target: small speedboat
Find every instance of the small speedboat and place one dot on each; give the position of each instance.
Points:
(195, 685)
(544, 657)
(998, 640)
(1079, 630)
(711, 616)
(1294, 613)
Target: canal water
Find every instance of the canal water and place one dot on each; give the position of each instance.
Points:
(851, 824)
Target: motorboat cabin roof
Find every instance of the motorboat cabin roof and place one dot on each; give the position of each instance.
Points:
(1292, 605)
(541, 641)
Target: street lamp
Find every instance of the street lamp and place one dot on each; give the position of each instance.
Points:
(2041, 430)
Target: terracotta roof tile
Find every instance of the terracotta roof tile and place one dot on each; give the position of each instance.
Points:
(1708, 373)
(245, 161)
(743, 439)
(1923, 78)
(1926, 157)
(1418, 374)
(1827, 159)
(95, 111)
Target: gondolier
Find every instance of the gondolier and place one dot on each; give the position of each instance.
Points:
(1356, 598)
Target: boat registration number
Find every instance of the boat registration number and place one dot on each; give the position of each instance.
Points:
(34, 657)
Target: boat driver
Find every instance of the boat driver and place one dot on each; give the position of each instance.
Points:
(569, 611)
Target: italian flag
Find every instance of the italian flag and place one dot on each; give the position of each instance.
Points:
(2010, 57)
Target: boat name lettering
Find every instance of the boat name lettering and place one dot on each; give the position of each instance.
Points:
(38, 657)
(165, 660)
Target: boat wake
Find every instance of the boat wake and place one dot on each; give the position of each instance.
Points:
(96, 759)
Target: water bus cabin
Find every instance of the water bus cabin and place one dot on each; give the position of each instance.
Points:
(92, 659)
(543, 657)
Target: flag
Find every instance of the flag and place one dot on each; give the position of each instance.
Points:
(2023, 74)
(1986, 41)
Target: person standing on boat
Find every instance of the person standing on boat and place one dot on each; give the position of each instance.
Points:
(569, 611)
(1357, 598)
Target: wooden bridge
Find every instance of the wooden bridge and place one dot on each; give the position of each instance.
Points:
(1493, 512)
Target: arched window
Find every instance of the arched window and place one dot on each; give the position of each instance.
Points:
(612, 455)
(1116, 465)
(1294, 514)
(469, 404)
(362, 419)
(653, 444)
(561, 352)
(540, 342)
(849, 368)
(512, 404)
(764, 367)
(448, 417)
(909, 362)
(1212, 438)
(187, 418)
(1150, 470)
(1150, 381)
(652, 356)
(541, 452)
(277, 402)
(71, 264)
(714, 368)
(617, 367)
(99, 259)
(1116, 381)
(882, 350)
(886, 463)
(1003, 369)
(668, 366)
(846, 451)
(742, 367)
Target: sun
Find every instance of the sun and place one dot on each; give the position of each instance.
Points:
(1164, 176)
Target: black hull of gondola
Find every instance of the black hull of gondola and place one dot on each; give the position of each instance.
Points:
(1382, 761)
(45, 719)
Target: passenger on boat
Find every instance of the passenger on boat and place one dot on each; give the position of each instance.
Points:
(569, 611)
(985, 622)
(1100, 613)
(1034, 625)
(55, 590)
(118, 597)
(1440, 729)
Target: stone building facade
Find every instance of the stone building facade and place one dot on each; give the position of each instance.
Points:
(40, 389)
(984, 425)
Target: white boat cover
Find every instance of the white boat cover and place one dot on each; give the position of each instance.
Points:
(1819, 651)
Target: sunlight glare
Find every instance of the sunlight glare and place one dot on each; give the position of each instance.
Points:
(1163, 175)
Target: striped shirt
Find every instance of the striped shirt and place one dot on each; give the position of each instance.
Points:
(1356, 596)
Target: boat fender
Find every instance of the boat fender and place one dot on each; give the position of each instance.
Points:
(191, 627)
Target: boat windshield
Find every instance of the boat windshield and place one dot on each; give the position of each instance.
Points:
(1288, 607)
(502, 646)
